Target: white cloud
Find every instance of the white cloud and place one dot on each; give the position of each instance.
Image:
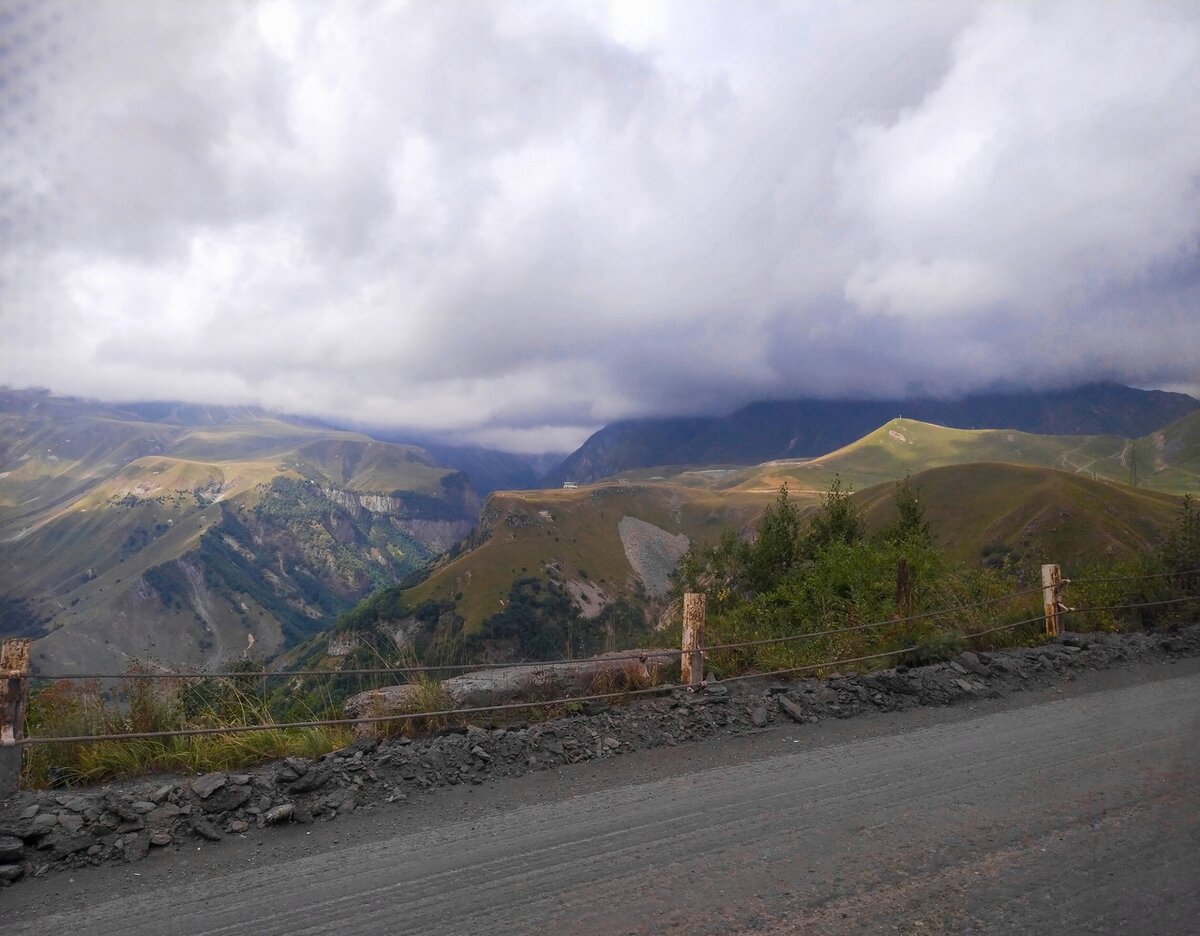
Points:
(516, 221)
(1049, 157)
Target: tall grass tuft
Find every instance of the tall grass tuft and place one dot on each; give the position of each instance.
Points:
(66, 708)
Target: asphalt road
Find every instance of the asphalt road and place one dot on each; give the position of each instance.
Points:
(1075, 815)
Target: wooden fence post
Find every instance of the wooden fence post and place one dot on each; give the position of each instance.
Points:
(1051, 586)
(14, 689)
(691, 663)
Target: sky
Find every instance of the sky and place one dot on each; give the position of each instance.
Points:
(510, 223)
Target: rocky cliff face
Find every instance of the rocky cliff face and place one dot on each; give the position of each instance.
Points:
(436, 533)
(358, 503)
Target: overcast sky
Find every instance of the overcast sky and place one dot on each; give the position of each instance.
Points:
(513, 222)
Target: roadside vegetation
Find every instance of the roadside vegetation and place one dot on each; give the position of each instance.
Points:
(68, 708)
(895, 591)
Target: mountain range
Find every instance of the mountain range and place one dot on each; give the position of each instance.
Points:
(590, 564)
(765, 431)
(195, 533)
(191, 533)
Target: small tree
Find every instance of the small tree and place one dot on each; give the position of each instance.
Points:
(838, 520)
(911, 525)
(776, 549)
(1182, 548)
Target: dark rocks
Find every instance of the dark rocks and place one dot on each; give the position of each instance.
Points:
(41, 824)
(162, 794)
(205, 829)
(207, 785)
(314, 779)
(362, 745)
(161, 837)
(758, 718)
(227, 798)
(11, 849)
(70, 844)
(791, 709)
(342, 800)
(10, 874)
(162, 816)
(71, 821)
(123, 809)
(137, 847)
(973, 664)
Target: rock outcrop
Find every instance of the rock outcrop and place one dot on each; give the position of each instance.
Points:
(530, 682)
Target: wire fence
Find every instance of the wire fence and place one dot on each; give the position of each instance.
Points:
(1111, 579)
(640, 656)
(361, 720)
(810, 667)
(889, 622)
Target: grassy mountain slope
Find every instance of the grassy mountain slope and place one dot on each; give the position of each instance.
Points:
(992, 496)
(799, 428)
(578, 535)
(121, 536)
(1167, 460)
(996, 512)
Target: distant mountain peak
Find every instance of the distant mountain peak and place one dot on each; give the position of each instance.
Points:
(773, 429)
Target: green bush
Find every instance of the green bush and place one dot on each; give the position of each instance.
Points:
(795, 578)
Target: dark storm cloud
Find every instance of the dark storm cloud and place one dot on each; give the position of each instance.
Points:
(513, 222)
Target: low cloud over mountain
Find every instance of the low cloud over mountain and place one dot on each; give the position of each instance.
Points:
(513, 222)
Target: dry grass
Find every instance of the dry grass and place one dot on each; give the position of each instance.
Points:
(69, 708)
(629, 676)
(427, 696)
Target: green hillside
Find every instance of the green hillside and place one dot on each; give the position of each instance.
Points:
(994, 513)
(545, 573)
(125, 537)
(765, 431)
(999, 498)
(576, 535)
(1167, 460)
(137, 533)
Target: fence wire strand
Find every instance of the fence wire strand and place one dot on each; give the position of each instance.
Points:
(471, 667)
(594, 697)
(1105, 580)
(362, 671)
(1130, 607)
(872, 656)
(861, 627)
(364, 720)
